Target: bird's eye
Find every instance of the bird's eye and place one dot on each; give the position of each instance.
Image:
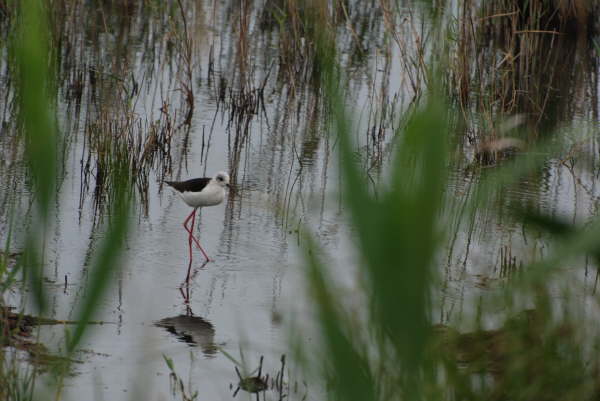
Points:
(220, 178)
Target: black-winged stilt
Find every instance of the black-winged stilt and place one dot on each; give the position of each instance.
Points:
(196, 193)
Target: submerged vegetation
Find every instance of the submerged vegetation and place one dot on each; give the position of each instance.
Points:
(456, 125)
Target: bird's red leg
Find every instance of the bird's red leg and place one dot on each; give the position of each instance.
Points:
(192, 215)
(194, 238)
(190, 229)
(187, 277)
(191, 235)
(188, 219)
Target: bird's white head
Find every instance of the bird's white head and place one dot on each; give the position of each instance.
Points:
(222, 179)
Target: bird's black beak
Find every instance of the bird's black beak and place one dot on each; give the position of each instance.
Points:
(228, 186)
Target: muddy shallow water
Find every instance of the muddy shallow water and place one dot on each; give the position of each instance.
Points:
(251, 298)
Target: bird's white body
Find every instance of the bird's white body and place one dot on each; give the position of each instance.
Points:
(211, 195)
(201, 192)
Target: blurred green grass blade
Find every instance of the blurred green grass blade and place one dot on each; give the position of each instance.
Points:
(345, 365)
(572, 241)
(36, 117)
(107, 258)
(36, 111)
(38, 122)
(579, 242)
(397, 233)
(404, 270)
(534, 218)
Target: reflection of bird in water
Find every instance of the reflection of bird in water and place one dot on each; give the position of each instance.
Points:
(192, 330)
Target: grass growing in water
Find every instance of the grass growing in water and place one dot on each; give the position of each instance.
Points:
(399, 231)
(392, 347)
(35, 85)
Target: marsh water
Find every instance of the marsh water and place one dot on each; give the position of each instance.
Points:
(127, 71)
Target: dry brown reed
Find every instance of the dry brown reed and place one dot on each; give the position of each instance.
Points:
(510, 59)
(185, 43)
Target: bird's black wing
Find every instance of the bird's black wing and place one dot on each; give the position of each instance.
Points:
(193, 185)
